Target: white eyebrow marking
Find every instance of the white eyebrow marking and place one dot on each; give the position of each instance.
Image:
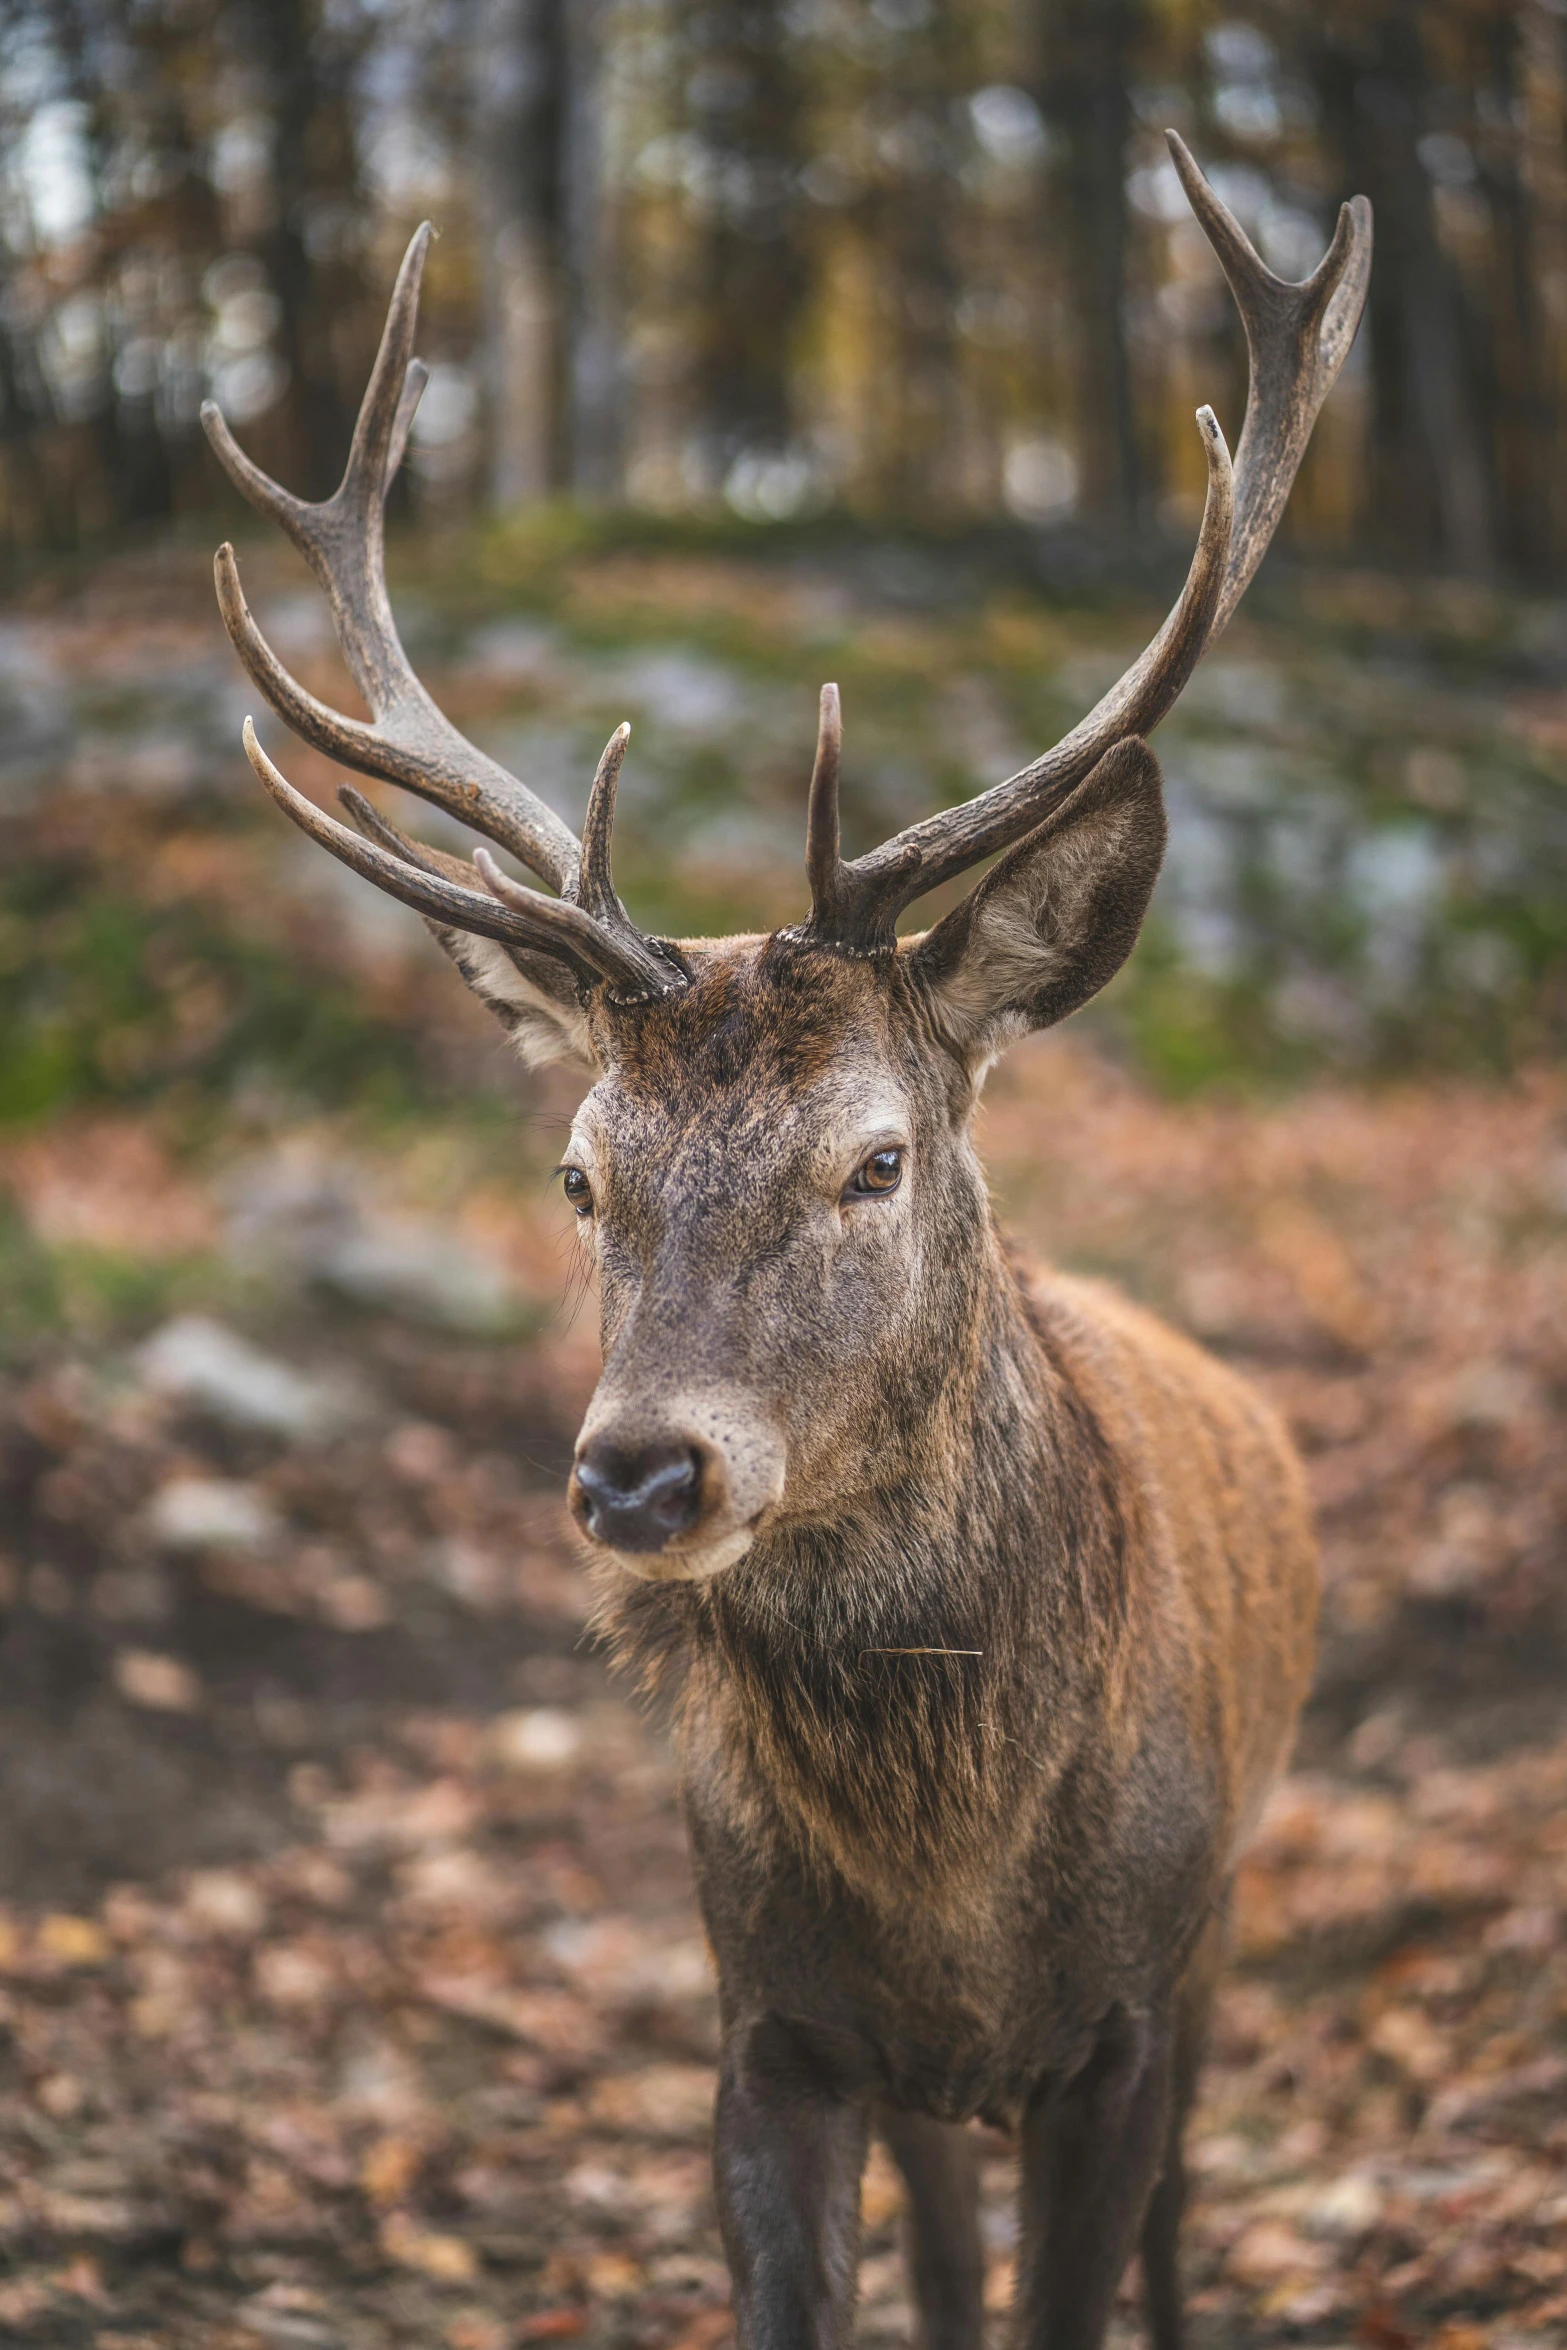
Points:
(863, 1123)
(882, 1114)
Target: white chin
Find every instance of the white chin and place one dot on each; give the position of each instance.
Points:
(682, 1566)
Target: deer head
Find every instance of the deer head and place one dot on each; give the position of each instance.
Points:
(772, 1171)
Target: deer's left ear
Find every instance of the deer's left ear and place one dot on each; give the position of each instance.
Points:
(1057, 917)
(532, 996)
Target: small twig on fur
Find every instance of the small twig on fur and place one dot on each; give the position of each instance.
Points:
(922, 1652)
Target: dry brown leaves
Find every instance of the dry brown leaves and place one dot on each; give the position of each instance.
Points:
(426, 2055)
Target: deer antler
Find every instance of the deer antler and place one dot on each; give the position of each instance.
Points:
(409, 741)
(1297, 337)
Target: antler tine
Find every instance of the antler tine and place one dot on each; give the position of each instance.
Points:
(475, 789)
(823, 838)
(641, 974)
(519, 917)
(386, 404)
(1297, 339)
(465, 875)
(409, 742)
(596, 893)
(596, 889)
(374, 826)
(414, 381)
(341, 539)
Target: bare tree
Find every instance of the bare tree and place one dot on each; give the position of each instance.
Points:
(1431, 488)
(1087, 52)
(516, 67)
(595, 358)
(309, 73)
(745, 95)
(1515, 389)
(914, 459)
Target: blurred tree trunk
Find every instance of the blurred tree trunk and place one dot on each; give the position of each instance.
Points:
(914, 463)
(312, 160)
(26, 516)
(746, 105)
(1430, 481)
(1515, 389)
(1087, 56)
(595, 370)
(517, 73)
(120, 473)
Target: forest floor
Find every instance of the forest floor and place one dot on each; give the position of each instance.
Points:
(350, 1983)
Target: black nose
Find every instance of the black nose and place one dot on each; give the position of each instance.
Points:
(637, 1498)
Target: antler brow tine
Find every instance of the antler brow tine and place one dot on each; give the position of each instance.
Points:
(515, 915)
(823, 857)
(597, 890)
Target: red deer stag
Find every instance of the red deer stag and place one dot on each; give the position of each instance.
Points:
(983, 1604)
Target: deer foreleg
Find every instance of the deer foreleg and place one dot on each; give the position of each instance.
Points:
(789, 2149)
(1092, 2149)
(1162, 2226)
(946, 2257)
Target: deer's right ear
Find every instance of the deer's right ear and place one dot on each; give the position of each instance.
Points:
(1056, 917)
(533, 997)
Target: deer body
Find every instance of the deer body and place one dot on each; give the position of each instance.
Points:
(955, 1862)
(952, 1864)
(971, 1734)
(983, 1604)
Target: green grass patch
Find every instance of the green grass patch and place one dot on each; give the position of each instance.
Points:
(107, 1000)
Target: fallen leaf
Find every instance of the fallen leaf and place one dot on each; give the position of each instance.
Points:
(1269, 2251)
(881, 2189)
(475, 2329)
(82, 2279)
(536, 1738)
(389, 2169)
(446, 2260)
(1381, 2328)
(73, 1941)
(163, 1683)
(553, 2325)
(221, 1901)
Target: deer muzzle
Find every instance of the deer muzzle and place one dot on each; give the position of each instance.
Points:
(639, 1500)
(680, 1495)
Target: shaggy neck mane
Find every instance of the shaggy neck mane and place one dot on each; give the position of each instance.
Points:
(894, 1687)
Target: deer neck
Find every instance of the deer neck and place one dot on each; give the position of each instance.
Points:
(897, 1683)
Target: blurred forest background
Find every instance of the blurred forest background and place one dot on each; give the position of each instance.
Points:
(899, 302)
(903, 258)
(350, 1991)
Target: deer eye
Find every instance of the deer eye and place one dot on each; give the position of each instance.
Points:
(578, 1190)
(881, 1173)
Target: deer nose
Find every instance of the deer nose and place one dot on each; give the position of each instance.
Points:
(637, 1499)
